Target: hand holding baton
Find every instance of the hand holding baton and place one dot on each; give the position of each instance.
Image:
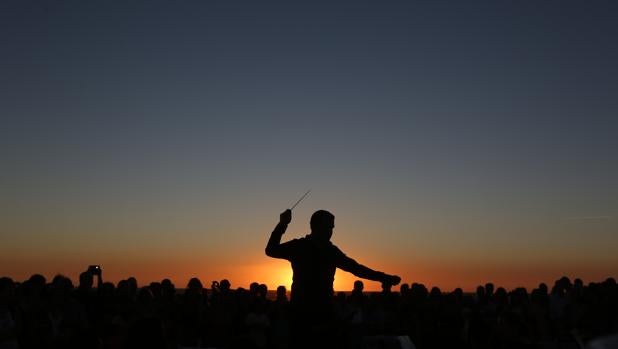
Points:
(286, 216)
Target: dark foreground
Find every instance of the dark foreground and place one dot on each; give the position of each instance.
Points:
(38, 314)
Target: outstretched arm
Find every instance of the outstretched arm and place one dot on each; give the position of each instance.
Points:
(350, 265)
(274, 248)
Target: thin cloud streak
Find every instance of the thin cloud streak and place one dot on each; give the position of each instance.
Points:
(591, 218)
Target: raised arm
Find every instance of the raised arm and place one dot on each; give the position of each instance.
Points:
(274, 248)
(99, 278)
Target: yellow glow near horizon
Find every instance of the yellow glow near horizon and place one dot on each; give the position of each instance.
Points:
(280, 276)
(448, 272)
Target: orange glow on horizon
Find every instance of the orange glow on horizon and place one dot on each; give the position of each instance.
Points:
(275, 272)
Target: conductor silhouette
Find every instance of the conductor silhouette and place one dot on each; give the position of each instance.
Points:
(314, 260)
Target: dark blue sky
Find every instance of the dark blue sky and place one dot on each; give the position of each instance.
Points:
(427, 121)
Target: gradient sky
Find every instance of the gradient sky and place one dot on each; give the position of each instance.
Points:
(456, 142)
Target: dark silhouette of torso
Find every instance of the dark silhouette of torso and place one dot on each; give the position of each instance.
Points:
(314, 262)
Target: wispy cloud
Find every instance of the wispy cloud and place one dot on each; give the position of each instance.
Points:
(590, 218)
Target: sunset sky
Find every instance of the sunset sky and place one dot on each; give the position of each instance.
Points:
(456, 142)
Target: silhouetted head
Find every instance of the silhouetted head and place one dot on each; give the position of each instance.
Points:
(281, 293)
(458, 292)
(480, 293)
(322, 224)
(489, 289)
(358, 286)
(167, 288)
(132, 282)
(61, 286)
(253, 288)
(543, 288)
(123, 288)
(107, 290)
(262, 290)
(404, 289)
(85, 280)
(501, 296)
(195, 284)
(224, 285)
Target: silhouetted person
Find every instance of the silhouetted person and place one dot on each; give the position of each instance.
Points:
(8, 324)
(314, 261)
(224, 310)
(85, 293)
(282, 294)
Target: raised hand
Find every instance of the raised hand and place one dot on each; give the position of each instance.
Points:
(285, 217)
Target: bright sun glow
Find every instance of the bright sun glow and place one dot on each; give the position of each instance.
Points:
(278, 272)
(274, 273)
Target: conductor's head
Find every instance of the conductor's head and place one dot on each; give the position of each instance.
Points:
(322, 224)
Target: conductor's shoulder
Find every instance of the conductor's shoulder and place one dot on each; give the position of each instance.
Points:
(336, 249)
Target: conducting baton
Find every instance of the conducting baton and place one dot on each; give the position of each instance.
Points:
(299, 200)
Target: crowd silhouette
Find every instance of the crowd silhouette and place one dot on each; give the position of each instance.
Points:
(38, 313)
